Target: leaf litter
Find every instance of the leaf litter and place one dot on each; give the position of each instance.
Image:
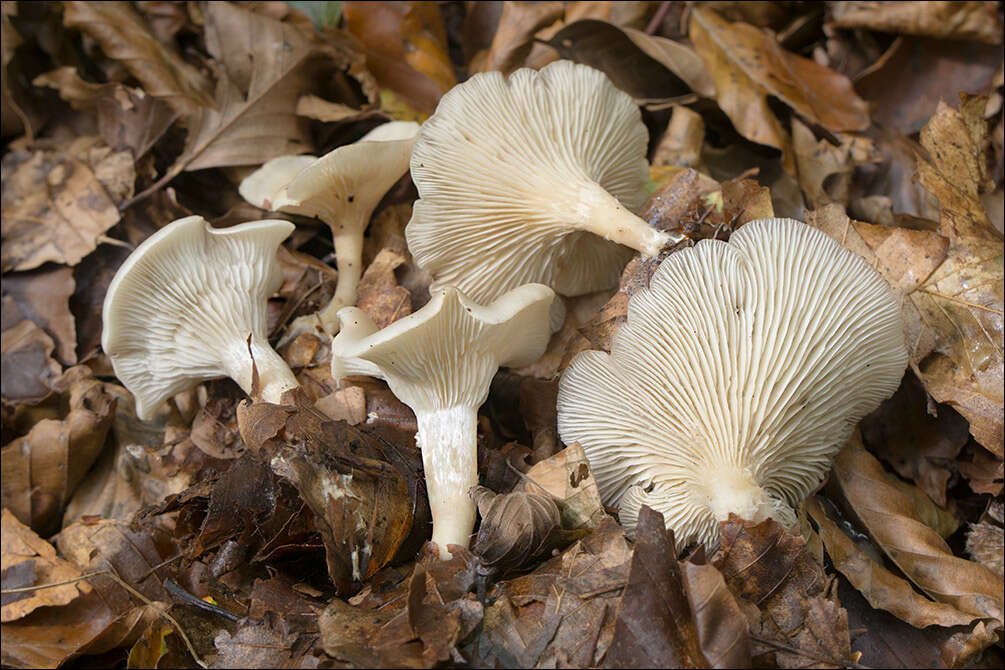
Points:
(227, 533)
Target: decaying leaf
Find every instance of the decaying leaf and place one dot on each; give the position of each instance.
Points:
(515, 527)
(27, 354)
(986, 540)
(747, 65)
(880, 587)
(124, 36)
(955, 20)
(43, 296)
(654, 626)
(26, 560)
(784, 593)
(57, 453)
(920, 553)
(54, 209)
(567, 478)
(723, 631)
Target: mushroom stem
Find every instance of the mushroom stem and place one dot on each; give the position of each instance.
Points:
(274, 375)
(449, 442)
(600, 213)
(349, 260)
(737, 491)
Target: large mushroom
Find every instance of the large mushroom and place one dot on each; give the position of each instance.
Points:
(440, 361)
(531, 179)
(189, 305)
(738, 375)
(342, 188)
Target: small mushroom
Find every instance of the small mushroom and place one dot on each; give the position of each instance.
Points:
(342, 188)
(531, 179)
(189, 305)
(739, 374)
(440, 361)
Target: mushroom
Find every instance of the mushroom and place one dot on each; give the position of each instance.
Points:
(189, 305)
(531, 179)
(440, 361)
(740, 372)
(342, 188)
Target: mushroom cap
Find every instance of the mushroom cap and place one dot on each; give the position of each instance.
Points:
(505, 164)
(343, 187)
(445, 354)
(265, 188)
(739, 374)
(187, 298)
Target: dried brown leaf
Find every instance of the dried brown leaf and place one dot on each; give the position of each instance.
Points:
(747, 65)
(920, 553)
(58, 452)
(566, 476)
(948, 20)
(379, 294)
(764, 565)
(723, 631)
(255, 117)
(29, 369)
(514, 35)
(406, 49)
(268, 643)
(515, 527)
(654, 625)
(647, 67)
(125, 36)
(54, 209)
(962, 301)
(21, 548)
(880, 587)
(43, 296)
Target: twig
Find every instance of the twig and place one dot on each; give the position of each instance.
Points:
(654, 23)
(178, 592)
(110, 572)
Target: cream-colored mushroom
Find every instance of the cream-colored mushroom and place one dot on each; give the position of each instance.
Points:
(440, 361)
(531, 179)
(342, 188)
(738, 375)
(189, 304)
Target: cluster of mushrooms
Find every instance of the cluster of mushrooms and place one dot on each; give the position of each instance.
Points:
(738, 375)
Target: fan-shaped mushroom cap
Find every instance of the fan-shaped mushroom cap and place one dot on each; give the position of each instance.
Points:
(738, 375)
(265, 188)
(440, 361)
(445, 354)
(341, 188)
(181, 308)
(531, 179)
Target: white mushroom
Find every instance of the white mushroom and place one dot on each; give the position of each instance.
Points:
(531, 179)
(183, 306)
(738, 375)
(342, 188)
(440, 361)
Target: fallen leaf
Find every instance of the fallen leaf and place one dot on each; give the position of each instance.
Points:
(916, 549)
(21, 548)
(27, 354)
(251, 102)
(563, 611)
(43, 297)
(648, 68)
(723, 631)
(515, 528)
(514, 35)
(54, 209)
(986, 540)
(406, 49)
(825, 170)
(654, 626)
(59, 452)
(747, 65)
(681, 142)
(268, 643)
(962, 301)
(567, 478)
(948, 20)
(379, 294)
(765, 566)
(920, 445)
(880, 587)
(124, 36)
(904, 102)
